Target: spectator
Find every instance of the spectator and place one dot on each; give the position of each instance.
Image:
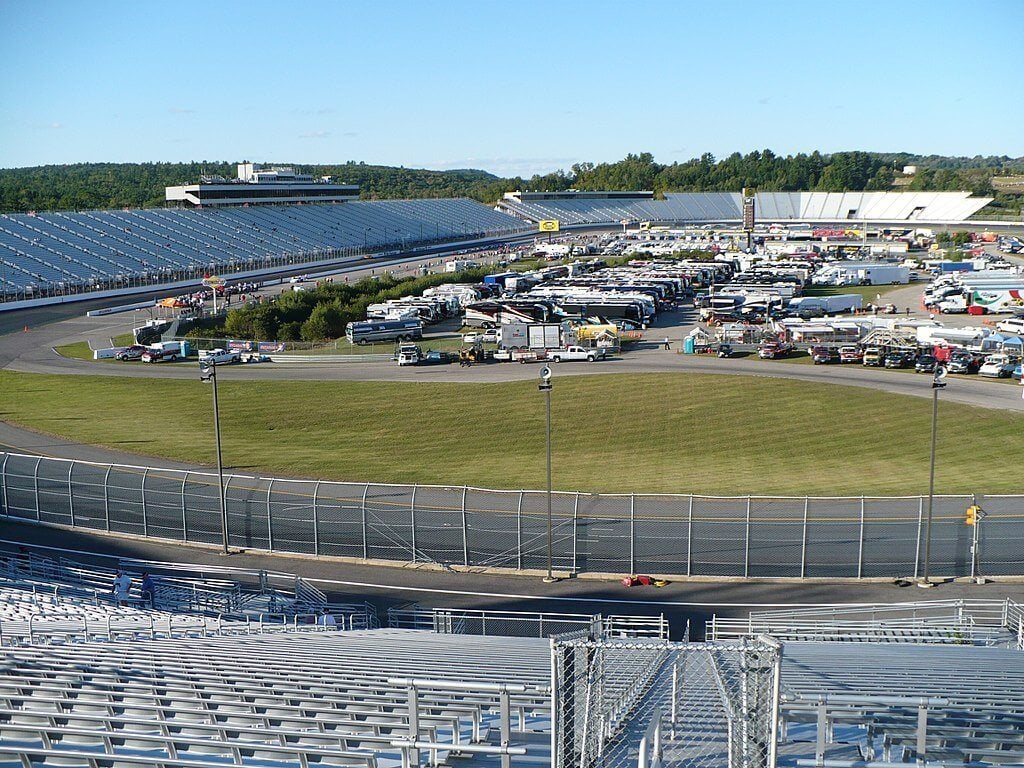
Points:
(148, 589)
(121, 587)
(327, 621)
(668, 344)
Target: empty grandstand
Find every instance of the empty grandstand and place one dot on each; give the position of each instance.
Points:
(608, 208)
(50, 254)
(896, 684)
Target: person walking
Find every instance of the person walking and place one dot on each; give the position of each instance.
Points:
(327, 621)
(668, 344)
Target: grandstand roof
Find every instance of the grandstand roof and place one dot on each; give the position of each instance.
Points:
(683, 207)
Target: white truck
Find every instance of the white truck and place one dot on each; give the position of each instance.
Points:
(220, 357)
(458, 265)
(531, 336)
(574, 353)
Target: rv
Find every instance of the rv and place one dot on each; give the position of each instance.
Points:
(383, 330)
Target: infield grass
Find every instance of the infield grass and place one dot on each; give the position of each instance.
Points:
(656, 433)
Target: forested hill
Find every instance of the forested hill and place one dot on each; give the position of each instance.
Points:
(141, 185)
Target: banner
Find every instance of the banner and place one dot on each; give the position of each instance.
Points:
(548, 225)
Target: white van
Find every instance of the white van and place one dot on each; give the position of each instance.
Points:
(1015, 326)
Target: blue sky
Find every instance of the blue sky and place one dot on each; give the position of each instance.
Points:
(511, 87)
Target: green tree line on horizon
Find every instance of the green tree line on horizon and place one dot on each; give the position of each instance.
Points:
(85, 186)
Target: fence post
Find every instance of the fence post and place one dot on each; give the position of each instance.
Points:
(71, 494)
(519, 532)
(860, 542)
(746, 543)
(632, 535)
(184, 520)
(575, 529)
(224, 490)
(366, 490)
(803, 542)
(412, 521)
(270, 519)
(145, 520)
(3, 486)
(689, 535)
(106, 500)
(316, 520)
(465, 531)
(35, 486)
(920, 520)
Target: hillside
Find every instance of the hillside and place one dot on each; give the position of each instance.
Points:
(141, 185)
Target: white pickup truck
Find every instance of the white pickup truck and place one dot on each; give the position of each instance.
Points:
(220, 357)
(576, 353)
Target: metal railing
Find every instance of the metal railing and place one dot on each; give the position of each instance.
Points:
(457, 526)
(957, 621)
(460, 621)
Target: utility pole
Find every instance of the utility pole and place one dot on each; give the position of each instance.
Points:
(937, 384)
(545, 387)
(208, 373)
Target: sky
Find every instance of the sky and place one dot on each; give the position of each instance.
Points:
(514, 87)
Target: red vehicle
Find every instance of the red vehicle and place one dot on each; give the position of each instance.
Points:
(772, 350)
(850, 354)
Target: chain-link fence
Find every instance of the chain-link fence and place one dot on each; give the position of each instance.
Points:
(455, 525)
(626, 703)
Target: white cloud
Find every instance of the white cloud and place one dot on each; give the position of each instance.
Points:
(315, 135)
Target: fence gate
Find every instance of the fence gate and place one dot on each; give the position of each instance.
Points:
(626, 703)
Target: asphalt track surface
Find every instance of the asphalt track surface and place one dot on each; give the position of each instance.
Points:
(31, 351)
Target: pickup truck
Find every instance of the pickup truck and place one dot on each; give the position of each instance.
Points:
(220, 357)
(576, 353)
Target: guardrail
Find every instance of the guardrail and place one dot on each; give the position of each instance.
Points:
(800, 537)
(525, 624)
(960, 621)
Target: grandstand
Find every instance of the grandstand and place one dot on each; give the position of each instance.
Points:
(701, 207)
(886, 689)
(48, 254)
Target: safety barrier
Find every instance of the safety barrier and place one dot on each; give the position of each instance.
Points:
(692, 535)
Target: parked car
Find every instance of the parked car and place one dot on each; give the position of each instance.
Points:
(998, 366)
(1016, 372)
(850, 354)
(963, 362)
(134, 352)
(873, 357)
(488, 336)
(926, 364)
(823, 355)
(435, 357)
(899, 360)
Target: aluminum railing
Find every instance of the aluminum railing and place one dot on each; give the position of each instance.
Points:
(525, 624)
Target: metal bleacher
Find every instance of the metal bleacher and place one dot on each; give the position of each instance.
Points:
(845, 705)
(42, 253)
(700, 207)
(346, 698)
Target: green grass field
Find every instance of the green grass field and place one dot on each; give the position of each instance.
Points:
(646, 433)
(80, 350)
(868, 292)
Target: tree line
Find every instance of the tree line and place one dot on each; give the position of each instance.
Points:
(141, 185)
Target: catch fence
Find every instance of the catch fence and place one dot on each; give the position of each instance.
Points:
(693, 535)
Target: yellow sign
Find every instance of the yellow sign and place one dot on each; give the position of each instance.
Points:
(548, 225)
(211, 281)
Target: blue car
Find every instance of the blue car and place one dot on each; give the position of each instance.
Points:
(1016, 372)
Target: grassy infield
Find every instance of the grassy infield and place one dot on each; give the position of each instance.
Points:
(661, 433)
(646, 433)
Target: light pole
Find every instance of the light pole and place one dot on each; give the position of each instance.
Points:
(545, 387)
(937, 384)
(208, 372)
